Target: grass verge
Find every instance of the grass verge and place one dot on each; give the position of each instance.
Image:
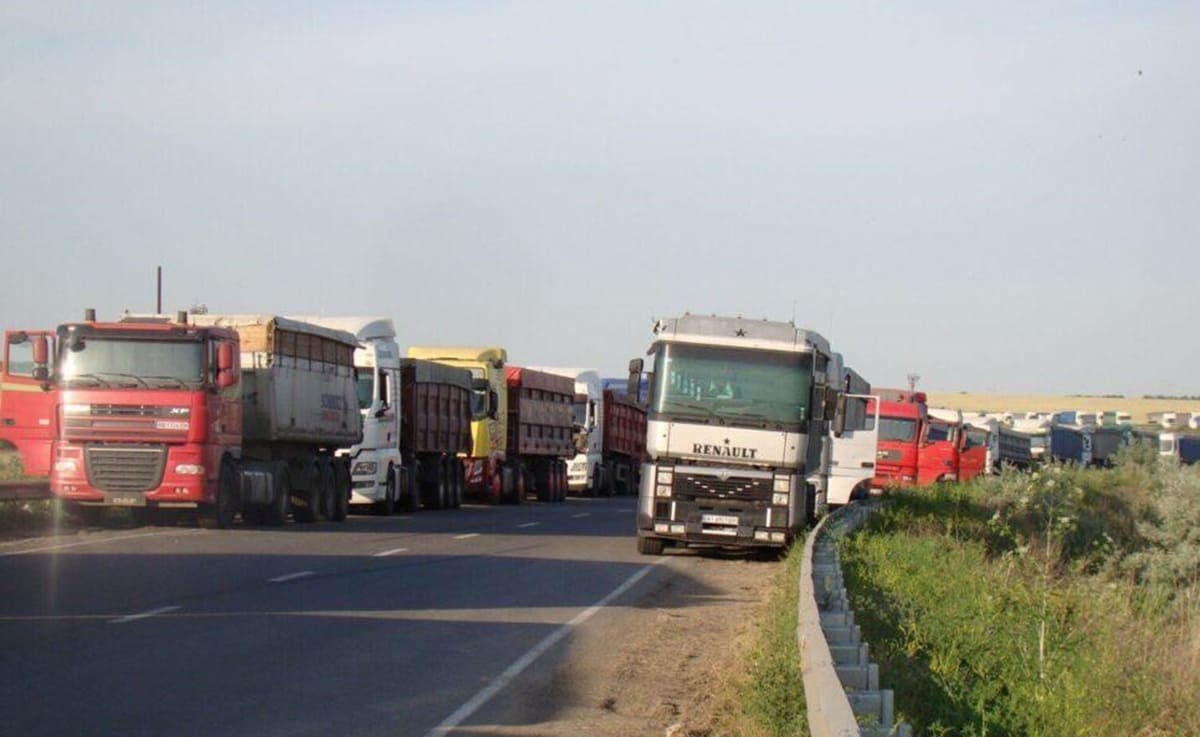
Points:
(1063, 602)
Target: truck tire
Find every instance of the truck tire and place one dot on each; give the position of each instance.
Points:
(275, 513)
(229, 502)
(339, 507)
(543, 481)
(563, 482)
(650, 545)
(606, 482)
(435, 490)
(387, 507)
(508, 485)
(313, 496)
(410, 494)
(460, 481)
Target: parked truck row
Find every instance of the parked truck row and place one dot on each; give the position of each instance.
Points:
(263, 417)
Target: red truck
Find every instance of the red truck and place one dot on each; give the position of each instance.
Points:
(941, 446)
(435, 427)
(225, 415)
(902, 417)
(27, 398)
(623, 444)
(540, 431)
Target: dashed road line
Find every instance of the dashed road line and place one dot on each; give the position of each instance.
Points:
(581, 514)
(529, 524)
(290, 576)
(393, 551)
(466, 536)
(144, 615)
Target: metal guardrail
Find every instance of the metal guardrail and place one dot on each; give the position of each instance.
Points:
(24, 490)
(841, 684)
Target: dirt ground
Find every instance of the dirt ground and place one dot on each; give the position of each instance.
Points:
(666, 666)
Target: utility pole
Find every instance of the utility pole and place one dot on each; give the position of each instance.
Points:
(158, 303)
(912, 381)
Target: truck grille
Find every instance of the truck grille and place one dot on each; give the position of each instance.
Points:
(125, 467)
(730, 488)
(126, 410)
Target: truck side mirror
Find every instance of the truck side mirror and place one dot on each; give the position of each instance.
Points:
(634, 386)
(225, 375)
(839, 417)
(41, 351)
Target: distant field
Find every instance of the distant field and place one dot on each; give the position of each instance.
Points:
(1139, 408)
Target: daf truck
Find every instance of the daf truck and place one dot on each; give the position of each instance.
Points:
(734, 409)
(224, 414)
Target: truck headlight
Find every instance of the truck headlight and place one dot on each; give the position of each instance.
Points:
(783, 484)
(189, 469)
(662, 490)
(666, 476)
(77, 409)
(364, 468)
(779, 500)
(65, 466)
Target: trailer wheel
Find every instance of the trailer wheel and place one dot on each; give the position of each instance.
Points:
(650, 545)
(459, 478)
(508, 486)
(410, 495)
(275, 512)
(312, 497)
(339, 509)
(563, 482)
(436, 498)
(387, 507)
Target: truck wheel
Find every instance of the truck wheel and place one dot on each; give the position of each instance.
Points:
(387, 507)
(459, 478)
(410, 493)
(309, 510)
(275, 512)
(543, 480)
(228, 499)
(650, 545)
(339, 507)
(560, 482)
(437, 487)
(508, 486)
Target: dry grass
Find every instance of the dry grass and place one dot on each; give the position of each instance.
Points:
(1139, 408)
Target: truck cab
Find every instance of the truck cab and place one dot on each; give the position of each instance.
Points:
(902, 417)
(486, 471)
(941, 443)
(28, 397)
(854, 442)
(734, 405)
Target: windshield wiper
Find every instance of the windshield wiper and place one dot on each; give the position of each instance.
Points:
(691, 406)
(136, 378)
(178, 381)
(87, 377)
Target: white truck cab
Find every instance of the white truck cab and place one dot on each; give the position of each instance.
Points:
(377, 362)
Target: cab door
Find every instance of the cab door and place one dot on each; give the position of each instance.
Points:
(973, 454)
(28, 398)
(853, 453)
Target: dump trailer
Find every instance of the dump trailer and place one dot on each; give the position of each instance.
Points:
(623, 444)
(224, 414)
(1106, 441)
(587, 413)
(1071, 444)
(540, 431)
(735, 409)
(435, 400)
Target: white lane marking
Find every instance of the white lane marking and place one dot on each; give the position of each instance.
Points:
(144, 615)
(44, 548)
(467, 536)
(465, 711)
(529, 524)
(625, 511)
(393, 551)
(581, 514)
(290, 576)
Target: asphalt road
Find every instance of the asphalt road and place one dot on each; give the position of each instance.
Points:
(408, 625)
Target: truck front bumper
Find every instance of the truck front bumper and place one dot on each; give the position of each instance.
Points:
(717, 521)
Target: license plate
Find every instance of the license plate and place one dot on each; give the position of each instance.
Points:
(125, 500)
(718, 519)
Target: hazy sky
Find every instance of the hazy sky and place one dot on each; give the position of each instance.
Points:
(1001, 197)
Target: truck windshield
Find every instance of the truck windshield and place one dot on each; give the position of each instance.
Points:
(579, 413)
(731, 385)
(896, 429)
(104, 361)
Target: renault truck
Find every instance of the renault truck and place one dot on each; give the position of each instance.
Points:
(735, 407)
